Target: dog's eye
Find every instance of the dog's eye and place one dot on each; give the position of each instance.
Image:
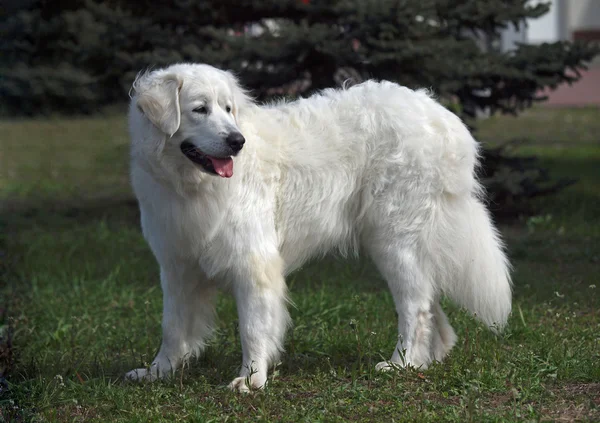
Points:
(202, 110)
(228, 108)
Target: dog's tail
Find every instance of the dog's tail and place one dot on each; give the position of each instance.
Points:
(470, 261)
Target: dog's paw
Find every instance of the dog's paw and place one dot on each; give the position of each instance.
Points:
(141, 375)
(245, 384)
(388, 366)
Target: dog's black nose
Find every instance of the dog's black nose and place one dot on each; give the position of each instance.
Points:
(235, 140)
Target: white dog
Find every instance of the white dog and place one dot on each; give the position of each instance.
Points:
(237, 195)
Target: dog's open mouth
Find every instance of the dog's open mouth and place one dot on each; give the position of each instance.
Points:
(215, 165)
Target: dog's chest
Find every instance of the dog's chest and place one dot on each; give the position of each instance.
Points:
(218, 230)
(177, 229)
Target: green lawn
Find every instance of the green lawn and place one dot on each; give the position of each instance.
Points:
(80, 294)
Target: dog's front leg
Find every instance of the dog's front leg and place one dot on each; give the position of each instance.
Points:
(263, 319)
(188, 316)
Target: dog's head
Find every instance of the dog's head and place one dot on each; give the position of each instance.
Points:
(193, 111)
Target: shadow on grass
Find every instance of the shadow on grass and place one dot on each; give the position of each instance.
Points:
(48, 215)
(581, 196)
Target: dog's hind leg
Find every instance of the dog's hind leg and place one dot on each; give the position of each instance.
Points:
(188, 317)
(414, 295)
(444, 337)
(261, 302)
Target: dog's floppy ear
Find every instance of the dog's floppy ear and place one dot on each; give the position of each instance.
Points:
(160, 103)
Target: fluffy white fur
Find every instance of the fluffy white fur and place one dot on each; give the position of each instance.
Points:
(376, 167)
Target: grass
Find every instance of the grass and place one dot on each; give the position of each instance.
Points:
(81, 297)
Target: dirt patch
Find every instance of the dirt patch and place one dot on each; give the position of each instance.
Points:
(573, 402)
(588, 389)
(72, 413)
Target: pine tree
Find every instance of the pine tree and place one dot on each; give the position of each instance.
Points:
(64, 59)
(90, 50)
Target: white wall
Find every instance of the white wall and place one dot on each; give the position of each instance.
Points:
(583, 14)
(511, 35)
(564, 17)
(546, 28)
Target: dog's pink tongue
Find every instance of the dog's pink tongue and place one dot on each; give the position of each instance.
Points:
(224, 167)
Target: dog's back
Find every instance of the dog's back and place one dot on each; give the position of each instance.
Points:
(343, 152)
